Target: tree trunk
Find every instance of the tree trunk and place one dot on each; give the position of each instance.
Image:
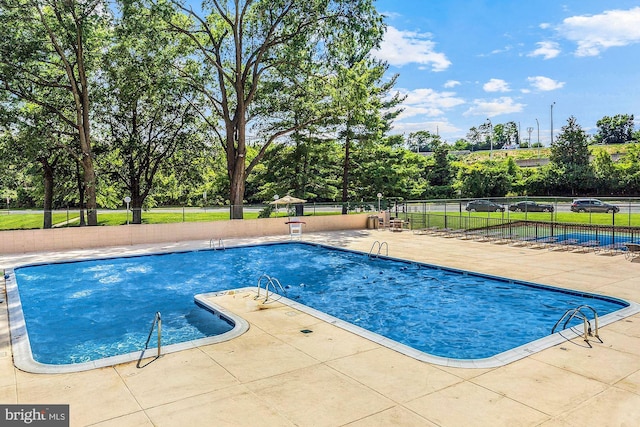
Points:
(237, 189)
(47, 170)
(136, 203)
(81, 188)
(90, 190)
(345, 170)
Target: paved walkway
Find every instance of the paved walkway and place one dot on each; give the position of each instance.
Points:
(273, 375)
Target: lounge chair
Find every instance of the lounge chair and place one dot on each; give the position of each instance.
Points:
(612, 249)
(523, 241)
(563, 245)
(632, 252)
(544, 242)
(428, 230)
(588, 245)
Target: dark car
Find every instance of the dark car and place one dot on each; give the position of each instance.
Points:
(593, 205)
(484, 206)
(529, 206)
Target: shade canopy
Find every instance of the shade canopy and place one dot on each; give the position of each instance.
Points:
(287, 200)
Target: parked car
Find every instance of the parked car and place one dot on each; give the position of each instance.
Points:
(593, 205)
(484, 206)
(530, 206)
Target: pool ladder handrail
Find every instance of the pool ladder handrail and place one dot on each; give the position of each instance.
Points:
(380, 246)
(577, 313)
(157, 320)
(212, 244)
(275, 285)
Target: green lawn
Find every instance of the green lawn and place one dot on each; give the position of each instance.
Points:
(31, 221)
(34, 220)
(120, 218)
(621, 220)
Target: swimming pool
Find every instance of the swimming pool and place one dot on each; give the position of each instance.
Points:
(438, 311)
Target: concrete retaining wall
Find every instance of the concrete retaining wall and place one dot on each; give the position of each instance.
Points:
(23, 241)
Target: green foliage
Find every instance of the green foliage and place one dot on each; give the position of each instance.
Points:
(615, 130)
(570, 170)
(489, 179)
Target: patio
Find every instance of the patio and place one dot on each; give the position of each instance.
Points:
(273, 375)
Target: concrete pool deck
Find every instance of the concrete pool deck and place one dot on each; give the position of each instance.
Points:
(275, 375)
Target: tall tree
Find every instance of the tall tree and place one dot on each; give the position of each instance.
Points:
(148, 111)
(241, 43)
(47, 52)
(440, 174)
(615, 130)
(423, 140)
(570, 157)
(365, 108)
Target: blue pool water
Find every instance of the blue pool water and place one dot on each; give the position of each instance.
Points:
(604, 238)
(88, 310)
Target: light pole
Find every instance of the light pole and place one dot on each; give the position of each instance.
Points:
(490, 138)
(538, 125)
(379, 198)
(554, 103)
(127, 200)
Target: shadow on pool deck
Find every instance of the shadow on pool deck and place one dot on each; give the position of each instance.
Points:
(276, 375)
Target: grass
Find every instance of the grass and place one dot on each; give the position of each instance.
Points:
(31, 221)
(120, 218)
(27, 221)
(621, 220)
(531, 153)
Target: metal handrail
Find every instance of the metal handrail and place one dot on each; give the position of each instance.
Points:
(269, 281)
(157, 320)
(220, 244)
(380, 246)
(577, 313)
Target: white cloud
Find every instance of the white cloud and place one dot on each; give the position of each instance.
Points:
(427, 102)
(545, 25)
(451, 83)
(496, 85)
(442, 127)
(544, 83)
(494, 107)
(595, 33)
(405, 47)
(547, 50)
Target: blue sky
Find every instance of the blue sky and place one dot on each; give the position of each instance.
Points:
(462, 62)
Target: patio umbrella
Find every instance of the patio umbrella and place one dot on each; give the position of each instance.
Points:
(287, 200)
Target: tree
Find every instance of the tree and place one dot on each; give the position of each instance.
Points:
(488, 179)
(241, 43)
(615, 130)
(440, 174)
(364, 109)
(308, 166)
(148, 112)
(47, 53)
(606, 175)
(423, 141)
(570, 158)
(475, 138)
(387, 167)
